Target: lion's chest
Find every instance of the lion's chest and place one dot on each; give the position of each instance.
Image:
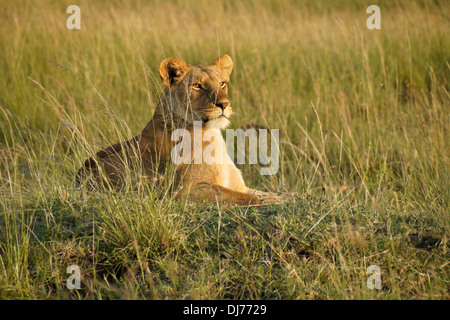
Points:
(209, 162)
(227, 174)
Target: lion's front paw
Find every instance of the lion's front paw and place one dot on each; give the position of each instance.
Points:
(276, 197)
(269, 197)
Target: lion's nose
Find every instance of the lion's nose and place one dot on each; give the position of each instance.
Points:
(222, 104)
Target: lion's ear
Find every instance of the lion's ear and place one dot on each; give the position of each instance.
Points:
(224, 64)
(172, 70)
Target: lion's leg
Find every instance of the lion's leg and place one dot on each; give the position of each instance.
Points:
(109, 166)
(266, 197)
(238, 184)
(212, 193)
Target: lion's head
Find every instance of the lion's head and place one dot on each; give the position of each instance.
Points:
(198, 93)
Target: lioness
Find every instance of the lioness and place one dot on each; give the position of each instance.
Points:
(192, 93)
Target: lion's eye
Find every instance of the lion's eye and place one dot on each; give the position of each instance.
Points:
(197, 86)
(223, 84)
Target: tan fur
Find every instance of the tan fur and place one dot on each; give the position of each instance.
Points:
(192, 93)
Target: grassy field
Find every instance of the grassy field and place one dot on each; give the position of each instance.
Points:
(364, 119)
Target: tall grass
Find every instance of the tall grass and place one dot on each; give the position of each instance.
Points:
(364, 130)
